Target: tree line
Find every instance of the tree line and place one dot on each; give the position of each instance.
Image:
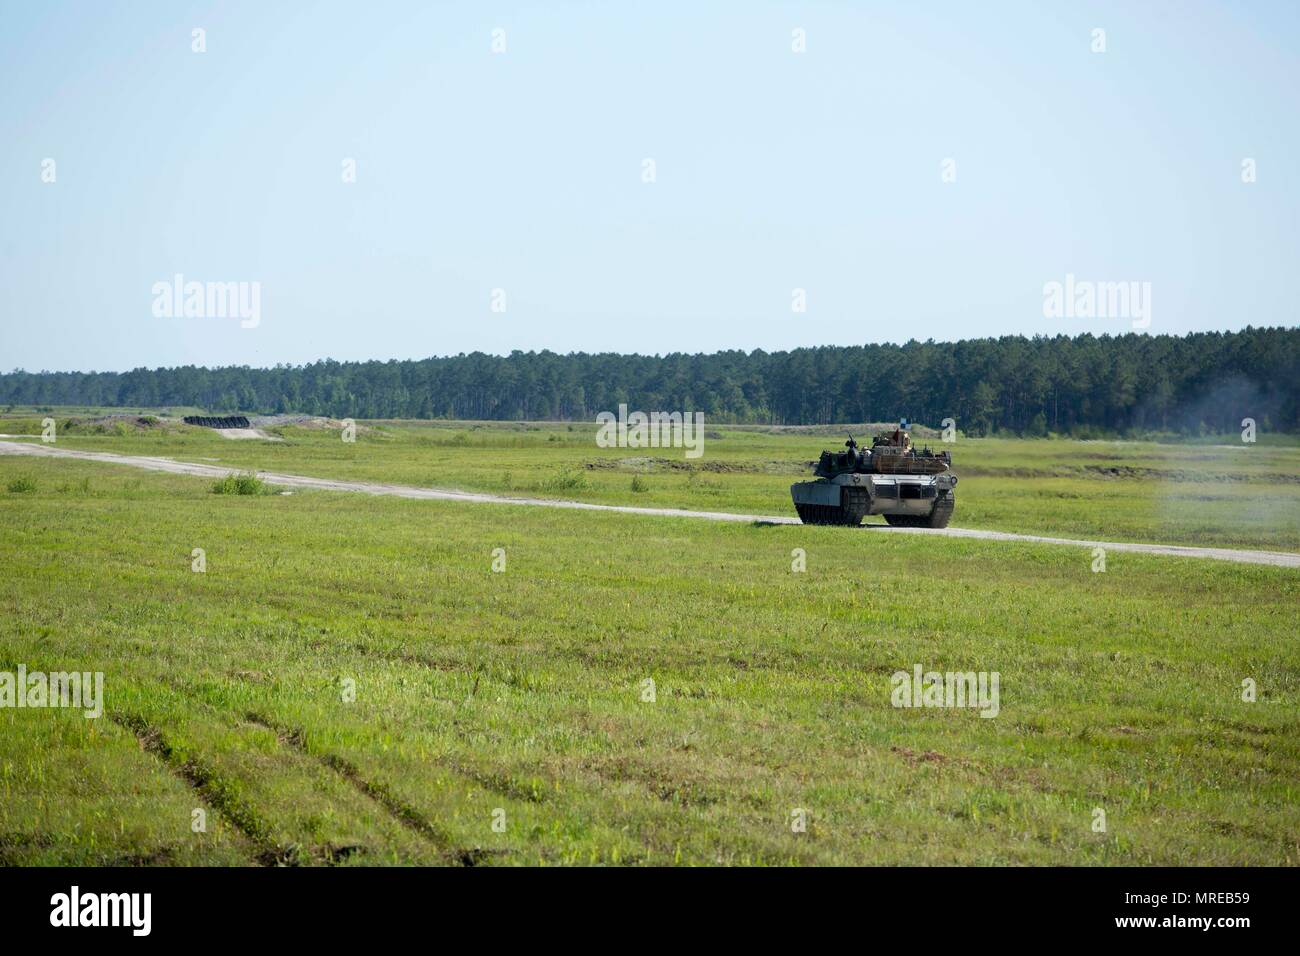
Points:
(1199, 383)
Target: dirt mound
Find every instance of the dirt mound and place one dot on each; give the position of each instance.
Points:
(114, 424)
(317, 422)
(1177, 474)
(713, 466)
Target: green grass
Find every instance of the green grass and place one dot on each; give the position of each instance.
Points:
(21, 484)
(1229, 495)
(521, 691)
(234, 484)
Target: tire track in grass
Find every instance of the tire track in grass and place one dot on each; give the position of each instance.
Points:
(295, 739)
(402, 811)
(214, 791)
(405, 814)
(500, 784)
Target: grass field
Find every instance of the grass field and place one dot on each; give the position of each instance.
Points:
(350, 682)
(1220, 494)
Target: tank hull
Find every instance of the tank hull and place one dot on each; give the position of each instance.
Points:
(904, 500)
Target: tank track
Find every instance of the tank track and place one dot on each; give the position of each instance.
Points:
(851, 510)
(938, 517)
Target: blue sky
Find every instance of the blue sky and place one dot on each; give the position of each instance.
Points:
(522, 171)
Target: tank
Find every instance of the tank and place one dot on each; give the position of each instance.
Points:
(910, 488)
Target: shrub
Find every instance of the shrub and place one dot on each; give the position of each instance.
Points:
(82, 486)
(639, 484)
(566, 480)
(245, 484)
(22, 484)
(699, 484)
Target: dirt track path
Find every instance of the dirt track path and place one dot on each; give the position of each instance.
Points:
(1276, 558)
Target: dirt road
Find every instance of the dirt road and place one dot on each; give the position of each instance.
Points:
(1276, 558)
